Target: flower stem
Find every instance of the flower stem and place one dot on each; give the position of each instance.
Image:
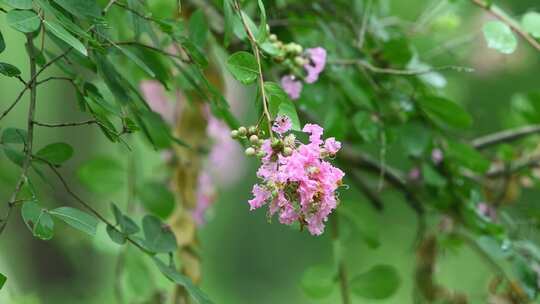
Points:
(257, 54)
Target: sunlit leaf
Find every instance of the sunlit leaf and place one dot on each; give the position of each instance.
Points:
(499, 36)
(38, 220)
(158, 237)
(24, 21)
(243, 66)
(77, 219)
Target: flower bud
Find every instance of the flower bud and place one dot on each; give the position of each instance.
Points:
(276, 143)
(267, 28)
(287, 151)
(250, 151)
(261, 141)
(254, 139)
(272, 37)
(242, 131)
(260, 154)
(300, 61)
(252, 130)
(234, 133)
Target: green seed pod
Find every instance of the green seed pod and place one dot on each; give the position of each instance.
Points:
(252, 130)
(250, 151)
(254, 139)
(234, 133)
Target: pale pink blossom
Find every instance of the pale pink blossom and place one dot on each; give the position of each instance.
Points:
(282, 124)
(437, 156)
(332, 145)
(317, 62)
(291, 86)
(206, 196)
(300, 187)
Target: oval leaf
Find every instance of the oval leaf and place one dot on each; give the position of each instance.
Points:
(59, 31)
(157, 199)
(318, 281)
(56, 153)
(243, 66)
(102, 175)
(20, 4)
(9, 70)
(531, 23)
(38, 220)
(499, 36)
(23, 21)
(77, 219)
(380, 282)
(158, 237)
(445, 112)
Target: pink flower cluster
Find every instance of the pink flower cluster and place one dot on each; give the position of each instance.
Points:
(299, 186)
(315, 65)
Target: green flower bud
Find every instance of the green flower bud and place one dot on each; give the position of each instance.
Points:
(272, 37)
(300, 61)
(287, 151)
(252, 130)
(234, 133)
(250, 151)
(276, 143)
(242, 131)
(254, 139)
(260, 154)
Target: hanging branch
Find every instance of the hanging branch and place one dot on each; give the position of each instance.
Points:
(504, 136)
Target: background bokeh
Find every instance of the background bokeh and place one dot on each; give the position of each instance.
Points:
(245, 259)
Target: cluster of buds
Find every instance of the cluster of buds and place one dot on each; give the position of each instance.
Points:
(253, 135)
(303, 65)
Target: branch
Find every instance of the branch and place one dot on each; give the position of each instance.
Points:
(66, 124)
(379, 70)
(54, 78)
(342, 270)
(29, 129)
(257, 54)
(32, 80)
(499, 14)
(504, 136)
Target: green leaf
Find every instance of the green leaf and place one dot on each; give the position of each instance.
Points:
(19, 4)
(3, 280)
(136, 60)
(365, 126)
(81, 8)
(15, 156)
(56, 153)
(127, 225)
(263, 32)
(276, 96)
(158, 238)
(432, 177)
(198, 28)
(380, 282)
(157, 199)
(58, 30)
(243, 66)
(499, 36)
(38, 220)
(2, 43)
(14, 136)
(198, 295)
(116, 236)
(195, 53)
(102, 175)
(531, 23)
(77, 219)
(318, 281)
(288, 109)
(467, 156)
(23, 21)
(229, 22)
(414, 137)
(445, 112)
(156, 130)
(9, 70)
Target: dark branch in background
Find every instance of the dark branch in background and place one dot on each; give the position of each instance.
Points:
(54, 78)
(504, 136)
(499, 14)
(521, 164)
(342, 277)
(379, 70)
(365, 189)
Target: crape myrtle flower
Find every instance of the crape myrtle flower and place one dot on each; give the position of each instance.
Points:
(298, 183)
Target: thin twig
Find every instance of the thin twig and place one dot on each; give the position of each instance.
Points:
(391, 71)
(257, 54)
(504, 136)
(65, 124)
(499, 14)
(32, 80)
(108, 6)
(365, 22)
(54, 78)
